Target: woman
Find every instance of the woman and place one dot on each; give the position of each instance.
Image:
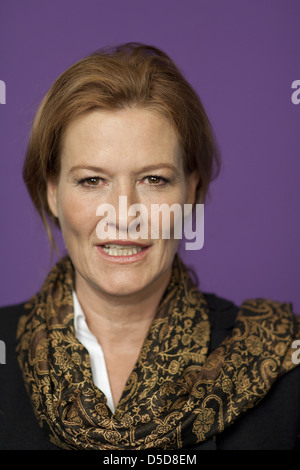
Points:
(119, 349)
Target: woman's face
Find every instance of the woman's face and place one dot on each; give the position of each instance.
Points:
(132, 152)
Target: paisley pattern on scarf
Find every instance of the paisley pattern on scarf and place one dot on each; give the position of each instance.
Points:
(176, 395)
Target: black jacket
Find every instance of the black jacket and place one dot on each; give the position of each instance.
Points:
(273, 424)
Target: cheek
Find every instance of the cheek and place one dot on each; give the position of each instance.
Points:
(76, 215)
(165, 219)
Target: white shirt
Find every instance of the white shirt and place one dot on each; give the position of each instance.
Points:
(89, 341)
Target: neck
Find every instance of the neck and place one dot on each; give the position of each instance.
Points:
(120, 325)
(116, 320)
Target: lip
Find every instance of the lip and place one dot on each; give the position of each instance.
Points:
(123, 259)
(123, 243)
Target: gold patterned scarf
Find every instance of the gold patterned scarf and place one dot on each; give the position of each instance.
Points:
(177, 395)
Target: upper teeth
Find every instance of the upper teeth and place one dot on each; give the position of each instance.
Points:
(119, 250)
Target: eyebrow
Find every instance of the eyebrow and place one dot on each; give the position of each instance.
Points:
(85, 167)
(146, 168)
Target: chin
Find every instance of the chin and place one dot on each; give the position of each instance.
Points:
(123, 279)
(120, 288)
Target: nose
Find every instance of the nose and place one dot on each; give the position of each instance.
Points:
(125, 214)
(123, 197)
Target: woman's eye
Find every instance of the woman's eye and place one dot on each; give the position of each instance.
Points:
(155, 180)
(90, 181)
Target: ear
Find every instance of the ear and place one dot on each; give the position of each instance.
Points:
(52, 188)
(192, 183)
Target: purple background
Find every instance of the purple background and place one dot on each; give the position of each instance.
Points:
(241, 57)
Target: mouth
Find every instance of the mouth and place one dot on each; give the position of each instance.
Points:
(123, 250)
(113, 249)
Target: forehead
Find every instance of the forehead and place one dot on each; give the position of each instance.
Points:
(122, 135)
